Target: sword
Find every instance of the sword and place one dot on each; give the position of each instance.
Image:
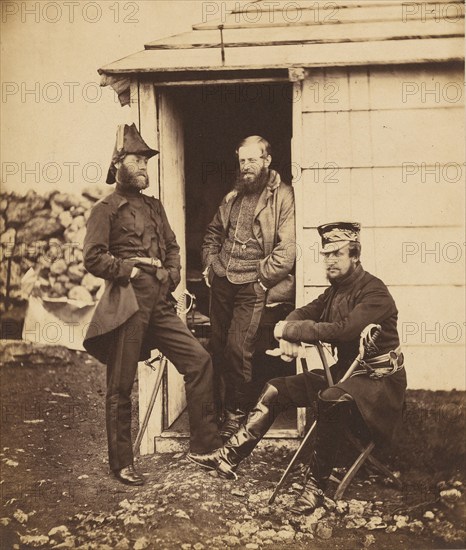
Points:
(367, 348)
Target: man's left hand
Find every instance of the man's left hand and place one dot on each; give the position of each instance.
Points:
(278, 330)
(287, 351)
(154, 262)
(290, 349)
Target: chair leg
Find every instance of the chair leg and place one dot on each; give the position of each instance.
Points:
(334, 479)
(375, 462)
(353, 471)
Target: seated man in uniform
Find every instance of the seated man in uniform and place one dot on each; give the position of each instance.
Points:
(376, 390)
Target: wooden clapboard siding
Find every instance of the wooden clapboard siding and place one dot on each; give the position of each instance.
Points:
(387, 196)
(382, 138)
(362, 89)
(447, 300)
(432, 333)
(415, 91)
(413, 236)
(442, 369)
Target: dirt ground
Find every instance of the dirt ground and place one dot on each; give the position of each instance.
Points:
(57, 491)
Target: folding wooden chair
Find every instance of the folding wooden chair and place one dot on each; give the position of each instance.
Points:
(364, 451)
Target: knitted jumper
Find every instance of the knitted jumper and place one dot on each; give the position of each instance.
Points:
(241, 252)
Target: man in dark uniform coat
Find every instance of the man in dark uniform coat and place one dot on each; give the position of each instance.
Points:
(376, 391)
(130, 244)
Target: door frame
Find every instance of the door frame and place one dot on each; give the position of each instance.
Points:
(147, 103)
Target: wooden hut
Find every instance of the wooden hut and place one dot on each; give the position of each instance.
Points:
(362, 102)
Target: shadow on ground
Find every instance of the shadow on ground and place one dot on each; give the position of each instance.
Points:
(57, 492)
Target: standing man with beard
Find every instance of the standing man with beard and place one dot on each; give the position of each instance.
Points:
(130, 244)
(373, 397)
(248, 248)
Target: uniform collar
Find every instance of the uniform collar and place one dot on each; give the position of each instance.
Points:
(350, 279)
(124, 194)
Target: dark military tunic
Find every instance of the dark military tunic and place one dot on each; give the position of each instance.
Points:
(123, 226)
(338, 316)
(135, 315)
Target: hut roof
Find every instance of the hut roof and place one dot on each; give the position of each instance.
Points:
(281, 35)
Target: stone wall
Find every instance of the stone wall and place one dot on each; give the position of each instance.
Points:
(46, 233)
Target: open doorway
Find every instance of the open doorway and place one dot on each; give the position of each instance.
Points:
(215, 118)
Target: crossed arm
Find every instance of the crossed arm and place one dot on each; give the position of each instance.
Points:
(305, 325)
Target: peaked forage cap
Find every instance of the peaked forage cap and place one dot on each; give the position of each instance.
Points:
(336, 235)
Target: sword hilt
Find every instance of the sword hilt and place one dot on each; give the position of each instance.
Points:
(367, 342)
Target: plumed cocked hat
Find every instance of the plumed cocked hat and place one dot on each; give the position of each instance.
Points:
(128, 142)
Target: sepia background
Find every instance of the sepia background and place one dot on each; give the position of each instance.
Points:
(368, 124)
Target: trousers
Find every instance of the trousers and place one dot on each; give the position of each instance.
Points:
(157, 319)
(235, 314)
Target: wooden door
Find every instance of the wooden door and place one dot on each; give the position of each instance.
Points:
(172, 195)
(159, 123)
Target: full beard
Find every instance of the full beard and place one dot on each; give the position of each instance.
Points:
(245, 185)
(132, 180)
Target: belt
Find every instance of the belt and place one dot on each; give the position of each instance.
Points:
(382, 365)
(154, 262)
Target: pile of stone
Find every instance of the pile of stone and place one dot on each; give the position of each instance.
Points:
(45, 232)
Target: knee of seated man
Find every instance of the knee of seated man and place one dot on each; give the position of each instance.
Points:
(283, 396)
(278, 383)
(334, 395)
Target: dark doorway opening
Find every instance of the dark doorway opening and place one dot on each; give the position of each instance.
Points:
(215, 119)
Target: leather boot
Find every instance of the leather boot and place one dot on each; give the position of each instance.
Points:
(329, 432)
(232, 423)
(226, 459)
(129, 476)
(242, 443)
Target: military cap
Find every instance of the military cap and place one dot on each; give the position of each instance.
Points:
(128, 142)
(336, 235)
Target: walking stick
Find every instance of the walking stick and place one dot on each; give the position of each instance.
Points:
(180, 310)
(8, 280)
(153, 397)
(366, 347)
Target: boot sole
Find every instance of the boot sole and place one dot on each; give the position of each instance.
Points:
(137, 483)
(202, 465)
(305, 510)
(226, 475)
